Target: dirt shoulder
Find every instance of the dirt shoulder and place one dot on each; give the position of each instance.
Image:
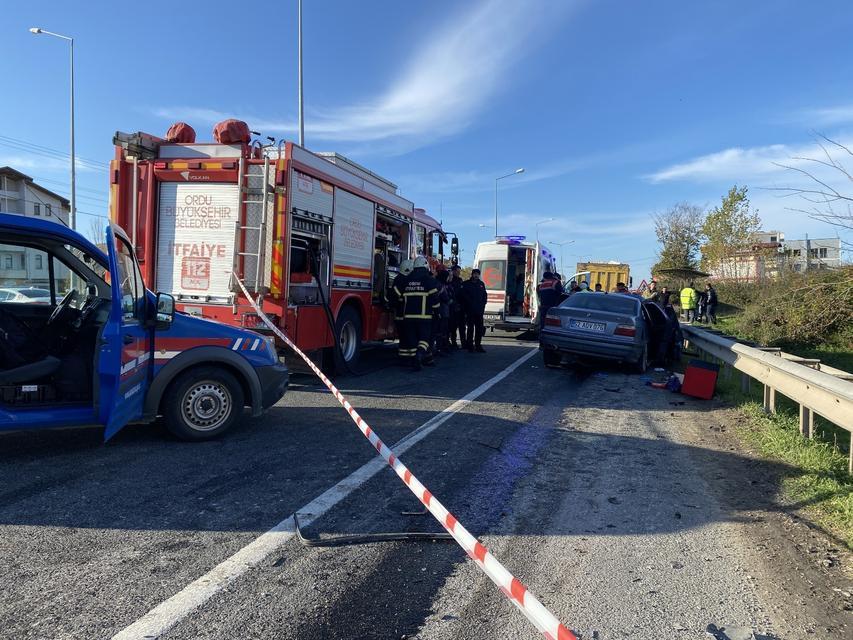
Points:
(805, 571)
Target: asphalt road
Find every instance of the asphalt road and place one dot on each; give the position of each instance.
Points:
(607, 501)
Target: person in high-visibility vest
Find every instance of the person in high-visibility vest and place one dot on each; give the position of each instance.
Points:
(689, 299)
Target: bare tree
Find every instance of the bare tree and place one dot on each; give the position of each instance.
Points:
(97, 226)
(825, 202)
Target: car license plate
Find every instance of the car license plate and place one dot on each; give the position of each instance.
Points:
(491, 317)
(588, 326)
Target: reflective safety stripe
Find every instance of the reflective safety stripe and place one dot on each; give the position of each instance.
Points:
(418, 316)
(423, 345)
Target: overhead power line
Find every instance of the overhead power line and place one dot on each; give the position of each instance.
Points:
(48, 152)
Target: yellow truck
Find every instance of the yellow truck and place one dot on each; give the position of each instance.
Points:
(607, 274)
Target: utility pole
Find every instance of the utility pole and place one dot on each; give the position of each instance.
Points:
(808, 252)
(301, 107)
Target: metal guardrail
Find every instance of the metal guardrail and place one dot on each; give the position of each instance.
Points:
(826, 391)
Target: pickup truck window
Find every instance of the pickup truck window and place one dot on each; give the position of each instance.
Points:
(93, 265)
(130, 281)
(24, 274)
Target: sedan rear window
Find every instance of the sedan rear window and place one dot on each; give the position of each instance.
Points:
(602, 302)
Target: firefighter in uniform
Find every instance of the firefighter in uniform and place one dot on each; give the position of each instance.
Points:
(420, 304)
(396, 297)
(550, 291)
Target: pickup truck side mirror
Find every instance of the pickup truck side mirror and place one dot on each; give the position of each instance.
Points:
(454, 246)
(165, 310)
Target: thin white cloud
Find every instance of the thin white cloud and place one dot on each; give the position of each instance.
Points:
(829, 116)
(569, 225)
(743, 164)
(25, 162)
(463, 64)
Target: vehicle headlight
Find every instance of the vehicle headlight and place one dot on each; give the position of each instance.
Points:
(271, 346)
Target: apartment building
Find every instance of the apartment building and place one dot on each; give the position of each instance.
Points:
(21, 195)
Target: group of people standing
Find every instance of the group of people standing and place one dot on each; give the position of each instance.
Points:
(432, 310)
(551, 292)
(699, 306)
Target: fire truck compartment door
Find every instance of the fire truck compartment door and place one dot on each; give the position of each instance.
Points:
(311, 195)
(197, 228)
(353, 241)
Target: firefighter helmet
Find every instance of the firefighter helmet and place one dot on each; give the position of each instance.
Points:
(420, 262)
(406, 267)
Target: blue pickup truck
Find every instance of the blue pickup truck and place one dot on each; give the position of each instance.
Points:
(101, 349)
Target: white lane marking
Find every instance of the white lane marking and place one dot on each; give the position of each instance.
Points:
(169, 612)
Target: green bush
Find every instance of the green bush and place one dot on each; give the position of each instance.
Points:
(740, 294)
(800, 310)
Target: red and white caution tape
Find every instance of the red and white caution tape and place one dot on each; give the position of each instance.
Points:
(542, 619)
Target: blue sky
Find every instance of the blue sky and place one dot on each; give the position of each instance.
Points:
(616, 110)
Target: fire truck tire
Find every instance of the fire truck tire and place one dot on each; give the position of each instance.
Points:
(202, 403)
(348, 328)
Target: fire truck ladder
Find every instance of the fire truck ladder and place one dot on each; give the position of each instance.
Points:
(257, 198)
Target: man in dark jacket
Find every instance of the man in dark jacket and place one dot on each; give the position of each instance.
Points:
(549, 291)
(457, 313)
(474, 301)
(711, 304)
(420, 304)
(441, 325)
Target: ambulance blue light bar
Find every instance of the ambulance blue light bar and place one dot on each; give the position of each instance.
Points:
(510, 239)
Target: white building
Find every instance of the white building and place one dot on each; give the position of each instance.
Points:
(768, 254)
(817, 253)
(19, 194)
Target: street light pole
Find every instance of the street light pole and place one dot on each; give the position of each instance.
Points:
(72, 217)
(536, 226)
(517, 171)
(562, 263)
(301, 112)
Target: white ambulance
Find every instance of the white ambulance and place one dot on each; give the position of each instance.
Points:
(511, 267)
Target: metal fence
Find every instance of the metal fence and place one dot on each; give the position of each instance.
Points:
(817, 388)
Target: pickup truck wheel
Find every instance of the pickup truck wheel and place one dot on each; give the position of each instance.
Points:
(202, 403)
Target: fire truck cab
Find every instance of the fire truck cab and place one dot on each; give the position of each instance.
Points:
(316, 238)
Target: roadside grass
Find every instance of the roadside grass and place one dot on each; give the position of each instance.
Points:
(818, 481)
(836, 351)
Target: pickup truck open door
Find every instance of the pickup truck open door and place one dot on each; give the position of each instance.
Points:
(125, 361)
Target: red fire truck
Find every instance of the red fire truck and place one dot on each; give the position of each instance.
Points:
(316, 238)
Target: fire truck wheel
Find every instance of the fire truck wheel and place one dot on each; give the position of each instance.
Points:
(348, 327)
(202, 403)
